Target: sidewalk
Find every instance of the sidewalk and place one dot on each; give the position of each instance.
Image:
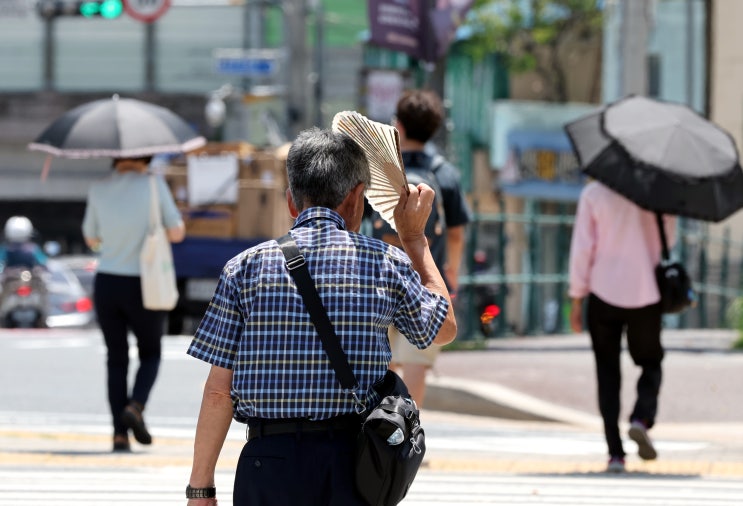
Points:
(551, 380)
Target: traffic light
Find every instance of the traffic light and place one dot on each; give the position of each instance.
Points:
(108, 9)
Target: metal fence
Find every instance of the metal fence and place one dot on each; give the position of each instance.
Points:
(526, 271)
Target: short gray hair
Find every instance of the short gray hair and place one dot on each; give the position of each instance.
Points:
(323, 167)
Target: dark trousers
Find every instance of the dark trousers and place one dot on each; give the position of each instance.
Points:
(311, 469)
(606, 323)
(118, 306)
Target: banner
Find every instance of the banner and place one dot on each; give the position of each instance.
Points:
(424, 29)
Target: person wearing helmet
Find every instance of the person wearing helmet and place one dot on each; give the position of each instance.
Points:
(19, 250)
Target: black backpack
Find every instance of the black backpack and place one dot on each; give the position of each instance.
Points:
(436, 224)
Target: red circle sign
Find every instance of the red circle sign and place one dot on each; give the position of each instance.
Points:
(146, 11)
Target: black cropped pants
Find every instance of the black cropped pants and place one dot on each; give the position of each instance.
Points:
(118, 306)
(606, 324)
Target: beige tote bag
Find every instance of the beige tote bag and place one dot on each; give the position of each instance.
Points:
(159, 290)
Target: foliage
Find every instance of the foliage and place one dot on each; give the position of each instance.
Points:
(529, 33)
(735, 318)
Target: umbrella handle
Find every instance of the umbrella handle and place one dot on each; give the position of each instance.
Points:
(45, 168)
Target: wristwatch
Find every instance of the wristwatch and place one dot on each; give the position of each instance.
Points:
(200, 493)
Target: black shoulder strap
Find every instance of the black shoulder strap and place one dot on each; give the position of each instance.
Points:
(331, 344)
(663, 240)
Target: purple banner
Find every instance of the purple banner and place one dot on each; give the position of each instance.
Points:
(423, 29)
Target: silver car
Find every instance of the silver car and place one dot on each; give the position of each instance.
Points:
(68, 303)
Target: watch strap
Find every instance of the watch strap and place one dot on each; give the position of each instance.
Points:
(200, 493)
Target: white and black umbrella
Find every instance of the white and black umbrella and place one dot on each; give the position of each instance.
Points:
(117, 128)
(661, 155)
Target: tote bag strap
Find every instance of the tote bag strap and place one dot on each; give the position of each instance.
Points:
(155, 219)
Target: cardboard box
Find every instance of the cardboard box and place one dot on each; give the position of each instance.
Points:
(263, 166)
(210, 221)
(212, 179)
(262, 211)
(241, 149)
(177, 180)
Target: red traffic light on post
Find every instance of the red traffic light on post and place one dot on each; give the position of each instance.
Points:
(107, 9)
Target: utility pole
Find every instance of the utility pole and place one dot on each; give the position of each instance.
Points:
(296, 92)
(318, 70)
(634, 46)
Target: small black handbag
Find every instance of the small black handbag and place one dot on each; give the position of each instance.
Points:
(674, 283)
(391, 442)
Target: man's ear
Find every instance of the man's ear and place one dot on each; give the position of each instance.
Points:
(293, 211)
(349, 207)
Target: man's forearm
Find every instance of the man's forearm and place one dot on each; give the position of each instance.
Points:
(422, 260)
(211, 430)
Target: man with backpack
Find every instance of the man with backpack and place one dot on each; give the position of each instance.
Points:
(418, 116)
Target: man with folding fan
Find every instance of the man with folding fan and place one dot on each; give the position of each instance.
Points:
(419, 114)
(269, 368)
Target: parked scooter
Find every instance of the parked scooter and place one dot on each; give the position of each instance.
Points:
(23, 300)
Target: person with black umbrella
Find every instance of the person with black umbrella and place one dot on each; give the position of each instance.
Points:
(613, 253)
(115, 225)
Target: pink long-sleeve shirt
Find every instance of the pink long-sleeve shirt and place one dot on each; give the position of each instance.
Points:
(615, 248)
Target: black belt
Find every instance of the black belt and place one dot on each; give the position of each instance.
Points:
(259, 427)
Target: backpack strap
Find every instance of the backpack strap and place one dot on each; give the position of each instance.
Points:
(438, 161)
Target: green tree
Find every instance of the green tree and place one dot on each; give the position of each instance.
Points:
(530, 35)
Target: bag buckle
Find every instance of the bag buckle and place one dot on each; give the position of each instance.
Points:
(416, 448)
(295, 263)
(360, 407)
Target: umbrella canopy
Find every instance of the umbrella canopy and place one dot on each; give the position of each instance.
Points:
(117, 128)
(663, 156)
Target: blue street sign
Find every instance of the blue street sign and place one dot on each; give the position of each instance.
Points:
(246, 66)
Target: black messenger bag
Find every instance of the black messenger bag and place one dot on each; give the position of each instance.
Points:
(674, 283)
(391, 441)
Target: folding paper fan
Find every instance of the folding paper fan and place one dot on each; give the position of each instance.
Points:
(381, 143)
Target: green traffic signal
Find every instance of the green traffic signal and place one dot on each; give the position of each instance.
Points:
(112, 8)
(108, 9)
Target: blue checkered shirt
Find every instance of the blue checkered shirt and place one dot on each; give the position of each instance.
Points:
(258, 326)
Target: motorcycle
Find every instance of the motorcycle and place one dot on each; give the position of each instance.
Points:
(23, 300)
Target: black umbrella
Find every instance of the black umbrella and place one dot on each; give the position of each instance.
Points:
(663, 156)
(117, 128)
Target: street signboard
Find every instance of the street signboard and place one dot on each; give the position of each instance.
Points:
(146, 11)
(247, 62)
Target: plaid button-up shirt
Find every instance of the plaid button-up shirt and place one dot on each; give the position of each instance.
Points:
(257, 324)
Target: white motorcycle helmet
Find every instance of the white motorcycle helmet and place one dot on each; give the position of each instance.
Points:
(18, 229)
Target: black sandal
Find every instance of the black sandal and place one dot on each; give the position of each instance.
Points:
(132, 418)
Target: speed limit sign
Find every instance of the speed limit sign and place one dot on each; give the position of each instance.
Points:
(146, 11)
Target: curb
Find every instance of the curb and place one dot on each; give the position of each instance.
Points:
(479, 398)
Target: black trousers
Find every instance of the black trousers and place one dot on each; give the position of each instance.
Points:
(311, 469)
(606, 324)
(118, 306)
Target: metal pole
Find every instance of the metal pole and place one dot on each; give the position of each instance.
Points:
(48, 54)
(690, 43)
(149, 57)
(634, 47)
(294, 28)
(319, 45)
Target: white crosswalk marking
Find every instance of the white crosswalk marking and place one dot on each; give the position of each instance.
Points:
(512, 490)
(160, 487)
